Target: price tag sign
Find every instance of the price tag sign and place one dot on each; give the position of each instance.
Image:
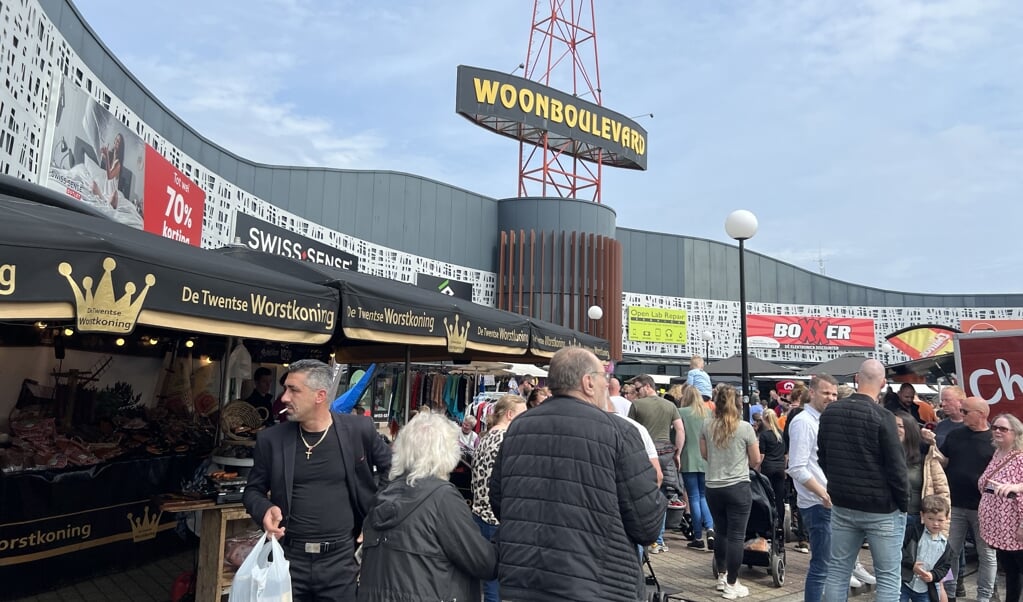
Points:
(174, 204)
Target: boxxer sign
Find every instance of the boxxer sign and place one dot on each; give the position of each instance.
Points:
(262, 236)
(810, 332)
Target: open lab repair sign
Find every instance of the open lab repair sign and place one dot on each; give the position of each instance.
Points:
(657, 325)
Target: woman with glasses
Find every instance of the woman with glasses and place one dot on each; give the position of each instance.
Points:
(999, 513)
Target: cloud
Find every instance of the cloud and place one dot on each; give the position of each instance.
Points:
(887, 133)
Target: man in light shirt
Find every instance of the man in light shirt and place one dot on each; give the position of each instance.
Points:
(621, 405)
(811, 484)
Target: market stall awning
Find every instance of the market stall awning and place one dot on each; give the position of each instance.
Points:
(386, 312)
(106, 277)
(377, 314)
(843, 366)
(733, 367)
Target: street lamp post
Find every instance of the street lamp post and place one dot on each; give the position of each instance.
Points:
(742, 225)
(707, 337)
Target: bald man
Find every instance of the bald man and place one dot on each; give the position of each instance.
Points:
(952, 408)
(862, 458)
(967, 453)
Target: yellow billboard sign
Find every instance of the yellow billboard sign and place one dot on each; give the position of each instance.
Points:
(657, 325)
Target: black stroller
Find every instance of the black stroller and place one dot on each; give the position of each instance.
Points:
(765, 531)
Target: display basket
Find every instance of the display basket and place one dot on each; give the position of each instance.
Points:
(241, 416)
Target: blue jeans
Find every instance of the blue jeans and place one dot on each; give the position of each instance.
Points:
(697, 490)
(963, 519)
(817, 520)
(884, 533)
(491, 592)
(909, 595)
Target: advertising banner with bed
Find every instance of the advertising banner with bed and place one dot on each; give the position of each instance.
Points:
(96, 159)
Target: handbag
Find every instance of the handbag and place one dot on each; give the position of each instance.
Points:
(260, 579)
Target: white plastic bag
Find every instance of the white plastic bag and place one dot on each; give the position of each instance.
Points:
(260, 580)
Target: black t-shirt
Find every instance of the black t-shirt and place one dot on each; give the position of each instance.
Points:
(773, 450)
(968, 453)
(320, 508)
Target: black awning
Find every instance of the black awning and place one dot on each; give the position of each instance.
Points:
(382, 311)
(109, 277)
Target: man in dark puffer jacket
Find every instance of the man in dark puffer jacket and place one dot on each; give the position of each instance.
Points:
(575, 494)
(860, 453)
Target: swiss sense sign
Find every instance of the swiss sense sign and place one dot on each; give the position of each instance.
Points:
(990, 365)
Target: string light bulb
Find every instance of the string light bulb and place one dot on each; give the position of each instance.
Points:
(69, 331)
(119, 342)
(189, 343)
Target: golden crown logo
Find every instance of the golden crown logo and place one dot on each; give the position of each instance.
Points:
(99, 310)
(457, 337)
(145, 526)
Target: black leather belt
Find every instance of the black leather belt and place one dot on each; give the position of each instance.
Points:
(313, 547)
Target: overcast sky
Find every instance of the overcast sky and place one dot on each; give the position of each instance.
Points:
(884, 137)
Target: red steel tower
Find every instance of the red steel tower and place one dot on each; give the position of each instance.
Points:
(562, 54)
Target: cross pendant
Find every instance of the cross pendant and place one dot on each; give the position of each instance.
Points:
(308, 453)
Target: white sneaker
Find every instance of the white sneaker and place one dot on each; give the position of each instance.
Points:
(863, 575)
(855, 583)
(721, 582)
(737, 590)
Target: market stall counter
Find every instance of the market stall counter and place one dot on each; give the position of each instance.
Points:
(64, 523)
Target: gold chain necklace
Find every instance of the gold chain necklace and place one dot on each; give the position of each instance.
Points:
(309, 448)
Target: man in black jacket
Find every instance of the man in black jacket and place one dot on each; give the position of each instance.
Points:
(575, 493)
(863, 460)
(318, 471)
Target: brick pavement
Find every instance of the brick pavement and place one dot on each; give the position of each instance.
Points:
(680, 568)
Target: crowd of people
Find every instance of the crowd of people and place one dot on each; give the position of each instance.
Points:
(572, 483)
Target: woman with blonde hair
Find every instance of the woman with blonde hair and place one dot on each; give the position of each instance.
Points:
(772, 448)
(999, 512)
(730, 447)
(693, 467)
(504, 411)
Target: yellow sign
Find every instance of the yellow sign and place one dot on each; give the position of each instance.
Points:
(657, 325)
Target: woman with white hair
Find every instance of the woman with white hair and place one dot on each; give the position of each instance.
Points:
(419, 539)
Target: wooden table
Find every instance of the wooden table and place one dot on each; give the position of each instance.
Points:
(211, 580)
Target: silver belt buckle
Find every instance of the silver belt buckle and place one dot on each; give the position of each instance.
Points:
(312, 548)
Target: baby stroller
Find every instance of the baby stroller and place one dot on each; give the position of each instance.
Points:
(765, 531)
(680, 521)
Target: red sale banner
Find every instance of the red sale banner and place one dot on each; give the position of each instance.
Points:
(990, 365)
(99, 161)
(174, 204)
(810, 332)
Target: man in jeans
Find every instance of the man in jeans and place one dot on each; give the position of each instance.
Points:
(967, 453)
(861, 456)
(811, 484)
(660, 416)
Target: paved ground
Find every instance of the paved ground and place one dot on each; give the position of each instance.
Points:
(679, 569)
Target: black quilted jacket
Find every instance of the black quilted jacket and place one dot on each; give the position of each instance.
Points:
(859, 450)
(575, 493)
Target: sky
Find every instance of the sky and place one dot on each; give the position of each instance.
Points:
(879, 139)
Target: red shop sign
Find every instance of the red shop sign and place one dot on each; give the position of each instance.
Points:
(810, 332)
(990, 365)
